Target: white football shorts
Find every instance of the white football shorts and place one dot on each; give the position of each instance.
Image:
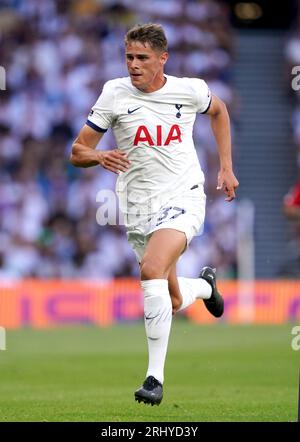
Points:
(185, 213)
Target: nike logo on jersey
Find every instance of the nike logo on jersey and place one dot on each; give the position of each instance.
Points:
(130, 111)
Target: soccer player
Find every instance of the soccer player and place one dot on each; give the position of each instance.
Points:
(160, 181)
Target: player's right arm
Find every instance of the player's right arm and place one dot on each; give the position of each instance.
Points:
(84, 153)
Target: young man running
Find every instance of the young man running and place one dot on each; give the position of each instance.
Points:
(160, 182)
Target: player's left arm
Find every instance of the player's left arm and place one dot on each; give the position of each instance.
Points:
(220, 124)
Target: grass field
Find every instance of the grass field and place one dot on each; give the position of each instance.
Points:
(213, 373)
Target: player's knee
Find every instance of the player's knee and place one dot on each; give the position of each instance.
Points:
(151, 269)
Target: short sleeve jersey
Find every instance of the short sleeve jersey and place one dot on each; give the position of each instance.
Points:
(156, 131)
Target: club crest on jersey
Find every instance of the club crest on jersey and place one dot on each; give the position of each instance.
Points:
(161, 139)
(178, 107)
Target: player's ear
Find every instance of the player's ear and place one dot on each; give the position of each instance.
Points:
(164, 57)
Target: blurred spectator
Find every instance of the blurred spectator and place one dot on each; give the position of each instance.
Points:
(292, 203)
(291, 208)
(57, 56)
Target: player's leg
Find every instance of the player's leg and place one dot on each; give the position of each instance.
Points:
(174, 290)
(162, 251)
(185, 291)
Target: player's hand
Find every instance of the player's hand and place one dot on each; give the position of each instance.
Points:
(113, 160)
(228, 183)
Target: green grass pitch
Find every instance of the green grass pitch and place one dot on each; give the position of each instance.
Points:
(213, 373)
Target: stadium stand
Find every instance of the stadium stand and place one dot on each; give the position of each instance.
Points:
(57, 56)
(291, 204)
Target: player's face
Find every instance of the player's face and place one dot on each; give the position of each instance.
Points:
(145, 66)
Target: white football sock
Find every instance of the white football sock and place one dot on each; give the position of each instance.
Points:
(158, 319)
(192, 289)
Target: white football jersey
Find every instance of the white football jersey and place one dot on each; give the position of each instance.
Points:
(155, 130)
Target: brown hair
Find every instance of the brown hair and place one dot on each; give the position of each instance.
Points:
(149, 33)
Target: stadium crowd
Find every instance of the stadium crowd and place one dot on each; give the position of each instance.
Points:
(57, 56)
(291, 202)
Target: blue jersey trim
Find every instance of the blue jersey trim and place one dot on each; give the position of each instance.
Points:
(207, 106)
(95, 127)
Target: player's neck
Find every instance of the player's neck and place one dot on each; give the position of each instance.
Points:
(157, 84)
